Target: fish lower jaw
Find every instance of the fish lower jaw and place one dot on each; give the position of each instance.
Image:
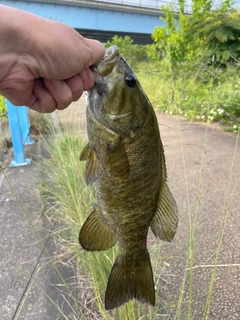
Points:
(118, 116)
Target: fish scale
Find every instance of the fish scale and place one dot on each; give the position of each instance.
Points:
(125, 160)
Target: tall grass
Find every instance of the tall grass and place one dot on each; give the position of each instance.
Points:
(196, 92)
(74, 200)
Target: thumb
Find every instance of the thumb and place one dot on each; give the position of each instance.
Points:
(97, 51)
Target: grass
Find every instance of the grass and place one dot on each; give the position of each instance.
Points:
(176, 276)
(73, 201)
(196, 92)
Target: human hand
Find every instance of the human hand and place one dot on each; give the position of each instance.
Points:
(44, 63)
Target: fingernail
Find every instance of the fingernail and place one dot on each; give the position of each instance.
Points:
(56, 83)
(83, 74)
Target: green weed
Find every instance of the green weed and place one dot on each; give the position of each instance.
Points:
(74, 200)
(195, 92)
(3, 109)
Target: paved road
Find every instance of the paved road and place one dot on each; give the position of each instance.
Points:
(204, 176)
(27, 276)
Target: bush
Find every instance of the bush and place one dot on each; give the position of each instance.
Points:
(2, 107)
(209, 34)
(197, 92)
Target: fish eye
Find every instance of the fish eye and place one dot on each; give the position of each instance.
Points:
(130, 80)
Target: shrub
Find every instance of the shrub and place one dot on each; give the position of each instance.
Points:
(2, 107)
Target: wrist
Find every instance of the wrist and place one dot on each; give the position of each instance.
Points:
(15, 30)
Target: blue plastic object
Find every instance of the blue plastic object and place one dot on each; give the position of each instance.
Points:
(20, 131)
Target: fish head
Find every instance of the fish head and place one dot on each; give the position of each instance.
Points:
(117, 97)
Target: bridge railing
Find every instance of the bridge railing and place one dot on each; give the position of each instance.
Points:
(149, 4)
(152, 4)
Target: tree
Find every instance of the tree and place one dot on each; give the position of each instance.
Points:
(219, 33)
(212, 34)
(169, 39)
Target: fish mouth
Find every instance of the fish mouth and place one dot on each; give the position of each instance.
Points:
(104, 68)
(111, 58)
(99, 87)
(98, 83)
(111, 54)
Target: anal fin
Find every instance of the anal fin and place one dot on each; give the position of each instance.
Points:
(95, 235)
(165, 221)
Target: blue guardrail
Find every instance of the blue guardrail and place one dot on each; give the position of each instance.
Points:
(20, 131)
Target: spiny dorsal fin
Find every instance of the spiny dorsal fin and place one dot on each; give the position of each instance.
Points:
(165, 221)
(93, 171)
(95, 234)
(117, 160)
(130, 281)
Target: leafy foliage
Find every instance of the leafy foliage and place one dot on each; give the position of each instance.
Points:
(198, 92)
(2, 107)
(169, 39)
(196, 62)
(219, 34)
(215, 33)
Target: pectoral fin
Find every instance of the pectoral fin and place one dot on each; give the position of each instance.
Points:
(165, 221)
(117, 160)
(85, 152)
(95, 234)
(93, 171)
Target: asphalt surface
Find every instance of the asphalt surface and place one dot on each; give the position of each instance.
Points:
(204, 176)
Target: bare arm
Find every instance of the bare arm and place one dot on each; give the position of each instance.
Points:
(44, 64)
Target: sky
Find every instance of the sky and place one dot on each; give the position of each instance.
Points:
(237, 4)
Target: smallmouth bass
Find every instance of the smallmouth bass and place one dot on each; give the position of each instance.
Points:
(125, 159)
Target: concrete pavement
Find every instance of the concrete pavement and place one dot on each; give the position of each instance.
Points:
(204, 175)
(30, 288)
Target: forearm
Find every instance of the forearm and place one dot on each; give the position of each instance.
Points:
(16, 38)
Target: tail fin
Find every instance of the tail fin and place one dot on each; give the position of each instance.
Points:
(130, 281)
